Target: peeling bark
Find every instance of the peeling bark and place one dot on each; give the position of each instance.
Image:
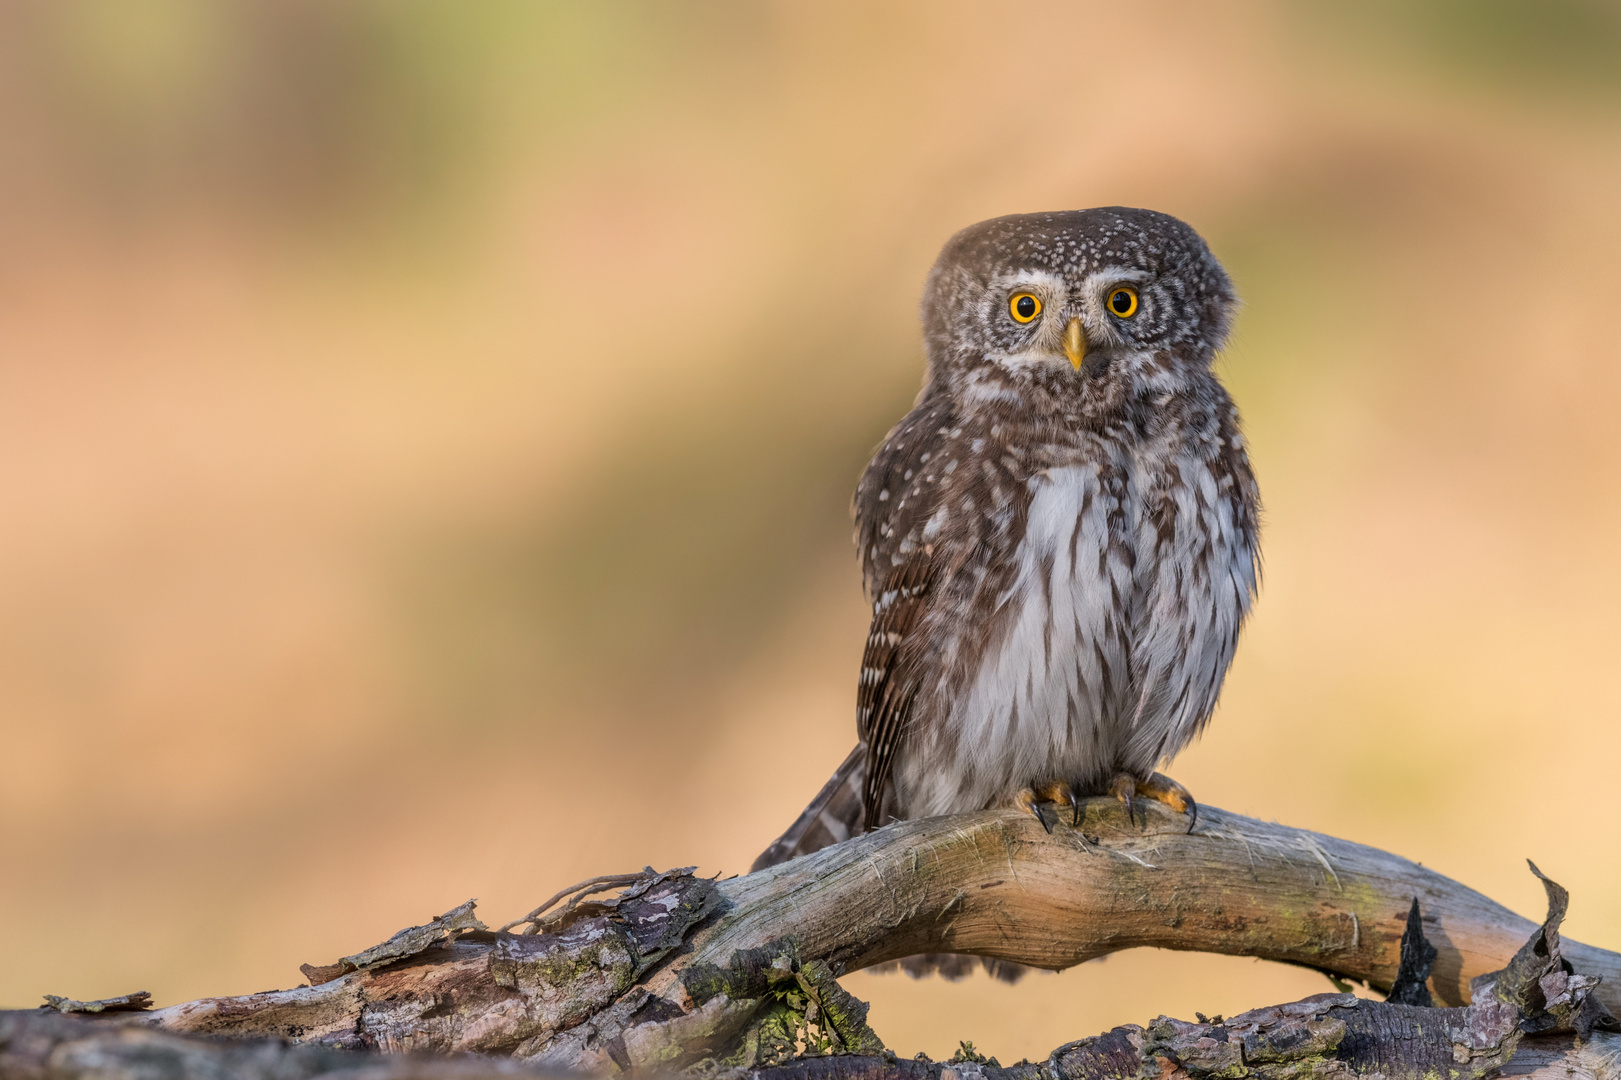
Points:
(738, 977)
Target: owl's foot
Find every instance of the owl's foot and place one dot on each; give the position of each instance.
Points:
(1160, 788)
(1038, 800)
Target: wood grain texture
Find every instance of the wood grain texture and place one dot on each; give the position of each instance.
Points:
(995, 884)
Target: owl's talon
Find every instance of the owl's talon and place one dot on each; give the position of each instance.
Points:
(1124, 788)
(1030, 802)
(1038, 800)
(1161, 789)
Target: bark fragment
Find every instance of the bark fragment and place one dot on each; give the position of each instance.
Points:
(1417, 961)
(408, 942)
(135, 1002)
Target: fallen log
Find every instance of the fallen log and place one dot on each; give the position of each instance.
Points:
(679, 971)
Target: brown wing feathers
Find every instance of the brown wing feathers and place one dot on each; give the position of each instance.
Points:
(890, 674)
(856, 798)
(852, 801)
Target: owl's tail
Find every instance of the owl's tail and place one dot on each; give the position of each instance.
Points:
(836, 814)
(833, 816)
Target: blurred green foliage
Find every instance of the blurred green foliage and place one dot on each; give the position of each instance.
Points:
(353, 114)
(1552, 53)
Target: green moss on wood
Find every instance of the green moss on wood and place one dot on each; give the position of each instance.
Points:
(800, 1007)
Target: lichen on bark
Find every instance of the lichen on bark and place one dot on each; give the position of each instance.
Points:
(799, 1006)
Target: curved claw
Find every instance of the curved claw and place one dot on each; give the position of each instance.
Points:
(1031, 801)
(1163, 789)
(1041, 800)
(1124, 787)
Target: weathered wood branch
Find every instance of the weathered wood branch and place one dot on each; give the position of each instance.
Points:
(996, 885)
(679, 970)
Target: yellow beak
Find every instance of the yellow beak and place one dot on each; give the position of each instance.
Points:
(1075, 343)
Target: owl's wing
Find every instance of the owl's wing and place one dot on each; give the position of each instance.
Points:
(893, 502)
(891, 673)
(853, 800)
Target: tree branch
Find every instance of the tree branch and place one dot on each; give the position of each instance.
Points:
(994, 884)
(677, 970)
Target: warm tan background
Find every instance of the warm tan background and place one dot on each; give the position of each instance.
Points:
(426, 433)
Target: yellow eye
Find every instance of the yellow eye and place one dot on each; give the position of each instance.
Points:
(1024, 306)
(1123, 301)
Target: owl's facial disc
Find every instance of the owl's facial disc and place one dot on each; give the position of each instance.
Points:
(1037, 318)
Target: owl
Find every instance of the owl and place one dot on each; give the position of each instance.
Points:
(1059, 541)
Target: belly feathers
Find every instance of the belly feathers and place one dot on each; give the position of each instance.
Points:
(1109, 645)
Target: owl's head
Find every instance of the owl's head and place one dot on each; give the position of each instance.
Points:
(1061, 299)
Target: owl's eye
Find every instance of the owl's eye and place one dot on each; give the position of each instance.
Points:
(1123, 301)
(1023, 306)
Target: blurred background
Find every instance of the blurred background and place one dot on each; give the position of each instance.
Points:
(427, 433)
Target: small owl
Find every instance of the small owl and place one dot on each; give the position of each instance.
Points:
(1059, 540)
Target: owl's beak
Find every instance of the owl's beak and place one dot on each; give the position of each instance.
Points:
(1075, 342)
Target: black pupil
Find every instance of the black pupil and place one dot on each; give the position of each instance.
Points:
(1122, 301)
(1026, 306)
